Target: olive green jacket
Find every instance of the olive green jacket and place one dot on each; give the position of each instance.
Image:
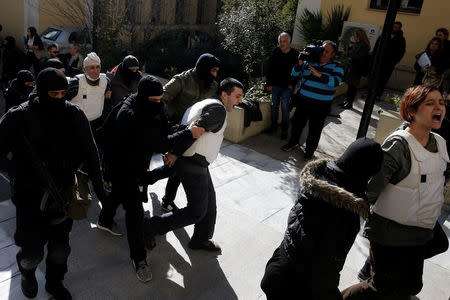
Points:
(183, 91)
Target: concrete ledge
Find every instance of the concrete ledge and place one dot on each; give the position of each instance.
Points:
(402, 78)
(236, 132)
(388, 122)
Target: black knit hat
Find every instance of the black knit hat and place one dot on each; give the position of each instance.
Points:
(50, 79)
(149, 86)
(361, 160)
(24, 76)
(130, 62)
(54, 63)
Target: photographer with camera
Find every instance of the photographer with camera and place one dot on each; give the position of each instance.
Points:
(320, 75)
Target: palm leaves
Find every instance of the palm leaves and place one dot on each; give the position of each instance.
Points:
(313, 25)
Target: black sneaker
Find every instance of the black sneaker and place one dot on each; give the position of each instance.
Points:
(209, 245)
(112, 229)
(57, 290)
(29, 285)
(169, 206)
(143, 272)
(289, 147)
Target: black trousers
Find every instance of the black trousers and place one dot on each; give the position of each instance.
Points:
(438, 244)
(201, 203)
(128, 195)
(171, 188)
(396, 274)
(58, 249)
(305, 278)
(315, 112)
(351, 93)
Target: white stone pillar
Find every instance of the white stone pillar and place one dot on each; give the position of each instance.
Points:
(313, 5)
(31, 15)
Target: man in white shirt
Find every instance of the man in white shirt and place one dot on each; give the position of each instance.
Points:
(192, 167)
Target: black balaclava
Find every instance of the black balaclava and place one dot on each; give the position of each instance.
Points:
(149, 86)
(54, 63)
(22, 77)
(203, 67)
(128, 75)
(360, 161)
(51, 79)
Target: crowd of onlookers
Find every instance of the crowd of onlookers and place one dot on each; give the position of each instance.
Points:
(73, 120)
(398, 187)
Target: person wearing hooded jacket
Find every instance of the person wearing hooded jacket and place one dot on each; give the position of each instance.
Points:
(54, 141)
(19, 89)
(181, 92)
(191, 86)
(124, 80)
(140, 129)
(323, 225)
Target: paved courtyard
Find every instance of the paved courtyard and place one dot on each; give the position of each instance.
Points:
(256, 185)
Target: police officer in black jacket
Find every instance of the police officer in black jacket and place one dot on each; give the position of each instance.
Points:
(46, 136)
(139, 130)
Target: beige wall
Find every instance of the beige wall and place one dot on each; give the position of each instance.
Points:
(418, 29)
(11, 18)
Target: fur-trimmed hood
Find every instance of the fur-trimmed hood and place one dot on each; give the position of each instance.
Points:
(333, 194)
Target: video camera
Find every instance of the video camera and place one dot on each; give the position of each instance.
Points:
(312, 51)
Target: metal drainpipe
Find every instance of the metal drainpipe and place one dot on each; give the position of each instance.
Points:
(391, 14)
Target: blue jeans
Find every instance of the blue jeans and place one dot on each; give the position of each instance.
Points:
(283, 95)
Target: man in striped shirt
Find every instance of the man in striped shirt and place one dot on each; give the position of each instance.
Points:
(319, 81)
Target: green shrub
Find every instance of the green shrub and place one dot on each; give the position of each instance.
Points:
(257, 92)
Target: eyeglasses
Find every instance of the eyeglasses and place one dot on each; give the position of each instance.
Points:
(55, 52)
(55, 94)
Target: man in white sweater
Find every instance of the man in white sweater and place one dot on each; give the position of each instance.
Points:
(192, 167)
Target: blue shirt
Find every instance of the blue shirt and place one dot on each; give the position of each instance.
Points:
(316, 88)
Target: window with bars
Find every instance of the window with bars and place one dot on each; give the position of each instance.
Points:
(409, 6)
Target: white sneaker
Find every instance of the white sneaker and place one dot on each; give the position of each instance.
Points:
(143, 272)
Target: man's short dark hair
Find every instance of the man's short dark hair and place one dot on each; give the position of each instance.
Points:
(228, 84)
(51, 46)
(443, 30)
(333, 44)
(398, 23)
